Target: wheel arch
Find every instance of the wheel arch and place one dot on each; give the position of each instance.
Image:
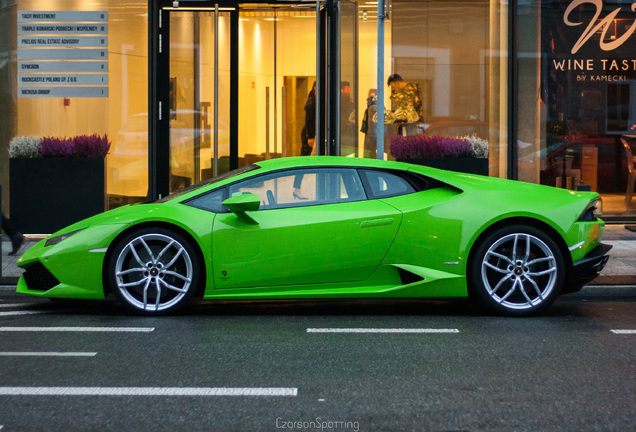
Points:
(536, 223)
(155, 224)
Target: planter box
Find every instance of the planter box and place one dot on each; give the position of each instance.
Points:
(465, 165)
(47, 194)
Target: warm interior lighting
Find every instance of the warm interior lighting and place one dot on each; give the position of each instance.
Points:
(199, 9)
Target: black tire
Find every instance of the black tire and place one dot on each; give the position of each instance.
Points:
(154, 271)
(517, 271)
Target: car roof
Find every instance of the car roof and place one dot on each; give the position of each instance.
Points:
(302, 161)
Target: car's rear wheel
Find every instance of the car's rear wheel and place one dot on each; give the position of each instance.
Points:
(517, 270)
(154, 271)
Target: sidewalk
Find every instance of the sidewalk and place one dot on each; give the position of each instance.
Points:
(10, 271)
(620, 269)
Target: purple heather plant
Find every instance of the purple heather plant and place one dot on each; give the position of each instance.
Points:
(57, 147)
(422, 146)
(82, 146)
(91, 146)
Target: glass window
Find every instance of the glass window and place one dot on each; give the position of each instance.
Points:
(90, 59)
(208, 182)
(576, 104)
(303, 187)
(385, 184)
(212, 201)
(448, 74)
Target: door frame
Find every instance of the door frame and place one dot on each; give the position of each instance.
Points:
(327, 77)
(159, 87)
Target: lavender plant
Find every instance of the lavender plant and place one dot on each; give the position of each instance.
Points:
(57, 147)
(421, 146)
(82, 146)
(91, 146)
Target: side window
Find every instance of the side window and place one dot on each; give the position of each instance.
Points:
(386, 184)
(210, 201)
(303, 187)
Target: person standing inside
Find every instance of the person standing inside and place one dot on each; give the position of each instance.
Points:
(407, 102)
(308, 133)
(369, 124)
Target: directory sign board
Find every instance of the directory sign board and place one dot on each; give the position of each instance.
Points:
(62, 54)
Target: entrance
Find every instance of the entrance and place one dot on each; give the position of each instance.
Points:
(273, 83)
(229, 82)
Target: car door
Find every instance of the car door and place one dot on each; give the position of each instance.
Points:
(314, 226)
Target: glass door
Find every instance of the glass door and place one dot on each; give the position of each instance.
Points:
(277, 69)
(199, 85)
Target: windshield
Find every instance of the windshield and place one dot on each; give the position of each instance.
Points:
(208, 182)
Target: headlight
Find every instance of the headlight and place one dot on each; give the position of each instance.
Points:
(591, 212)
(52, 241)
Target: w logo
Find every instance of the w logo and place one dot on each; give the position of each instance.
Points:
(597, 24)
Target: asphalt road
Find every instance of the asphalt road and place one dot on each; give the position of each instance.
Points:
(320, 366)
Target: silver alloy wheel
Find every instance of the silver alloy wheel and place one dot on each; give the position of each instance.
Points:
(519, 271)
(153, 272)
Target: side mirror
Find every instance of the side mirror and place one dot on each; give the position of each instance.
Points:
(243, 203)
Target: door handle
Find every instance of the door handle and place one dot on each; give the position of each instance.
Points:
(376, 223)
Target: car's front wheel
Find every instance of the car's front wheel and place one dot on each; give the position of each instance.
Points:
(153, 271)
(517, 270)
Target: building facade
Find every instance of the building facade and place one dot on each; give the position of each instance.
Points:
(186, 90)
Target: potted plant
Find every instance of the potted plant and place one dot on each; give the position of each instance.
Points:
(55, 182)
(468, 154)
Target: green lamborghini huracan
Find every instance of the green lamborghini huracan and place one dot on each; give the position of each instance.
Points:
(330, 227)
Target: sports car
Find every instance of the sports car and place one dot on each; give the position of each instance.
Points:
(330, 227)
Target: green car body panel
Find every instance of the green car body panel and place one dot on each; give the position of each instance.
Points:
(358, 249)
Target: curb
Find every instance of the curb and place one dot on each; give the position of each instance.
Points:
(614, 280)
(7, 290)
(9, 280)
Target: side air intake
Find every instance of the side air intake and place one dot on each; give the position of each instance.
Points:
(408, 278)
